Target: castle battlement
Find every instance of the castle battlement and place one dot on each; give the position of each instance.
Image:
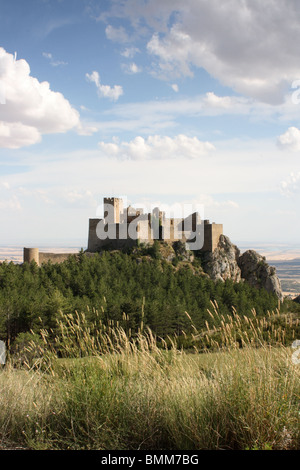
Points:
(125, 227)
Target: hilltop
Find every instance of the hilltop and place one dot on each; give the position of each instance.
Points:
(188, 238)
(225, 263)
(151, 284)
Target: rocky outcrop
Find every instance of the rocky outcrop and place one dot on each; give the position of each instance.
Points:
(222, 264)
(226, 262)
(259, 273)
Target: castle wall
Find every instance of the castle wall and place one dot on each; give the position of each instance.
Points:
(124, 239)
(217, 230)
(54, 257)
(172, 229)
(93, 240)
(144, 231)
(33, 254)
(191, 222)
(122, 235)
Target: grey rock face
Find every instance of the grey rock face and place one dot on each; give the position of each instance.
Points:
(222, 264)
(226, 262)
(259, 273)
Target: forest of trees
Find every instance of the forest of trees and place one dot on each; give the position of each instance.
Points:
(114, 284)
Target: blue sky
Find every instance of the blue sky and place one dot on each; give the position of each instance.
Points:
(163, 101)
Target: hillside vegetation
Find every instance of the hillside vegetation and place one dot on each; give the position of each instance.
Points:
(125, 288)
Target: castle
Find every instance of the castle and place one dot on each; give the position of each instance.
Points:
(128, 227)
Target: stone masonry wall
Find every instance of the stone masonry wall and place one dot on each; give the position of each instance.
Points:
(53, 257)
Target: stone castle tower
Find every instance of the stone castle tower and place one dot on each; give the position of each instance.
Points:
(117, 204)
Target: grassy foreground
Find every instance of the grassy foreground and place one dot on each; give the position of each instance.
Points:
(132, 394)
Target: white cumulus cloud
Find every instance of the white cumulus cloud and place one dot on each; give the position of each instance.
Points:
(116, 34)
(53, 62)
(78, 196)
(250, 45)
(290, 140)
(291, 185)
(105, 91)
(158, 148)
(31, 108)
(130, 52)
(131, 68)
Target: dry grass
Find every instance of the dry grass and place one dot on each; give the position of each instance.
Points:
(113, 390)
